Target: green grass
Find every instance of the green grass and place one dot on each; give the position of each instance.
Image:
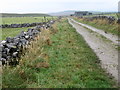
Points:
(110, 28)
(20, 20)
(66, 62)
(12, 32)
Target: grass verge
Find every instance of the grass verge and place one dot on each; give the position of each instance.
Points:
(59, 58)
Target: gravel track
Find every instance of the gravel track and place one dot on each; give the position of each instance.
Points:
(104, 49)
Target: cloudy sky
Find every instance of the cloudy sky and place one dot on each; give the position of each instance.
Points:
(48, 6)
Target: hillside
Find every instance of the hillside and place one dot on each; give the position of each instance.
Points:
(23, 15)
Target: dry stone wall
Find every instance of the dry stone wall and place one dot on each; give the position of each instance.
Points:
(11, 48)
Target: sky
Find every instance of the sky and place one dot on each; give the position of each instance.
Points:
(50, 6)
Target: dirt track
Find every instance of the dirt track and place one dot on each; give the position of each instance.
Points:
(103, 48)
(109, 36)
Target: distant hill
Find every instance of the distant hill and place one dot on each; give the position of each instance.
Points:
(23, 15)
(62, 13)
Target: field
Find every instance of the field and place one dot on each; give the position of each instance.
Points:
(59, 58)
(23, 15)
(20, 20)
(11, 32)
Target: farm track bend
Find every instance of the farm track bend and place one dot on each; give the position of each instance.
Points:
(103, 48)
